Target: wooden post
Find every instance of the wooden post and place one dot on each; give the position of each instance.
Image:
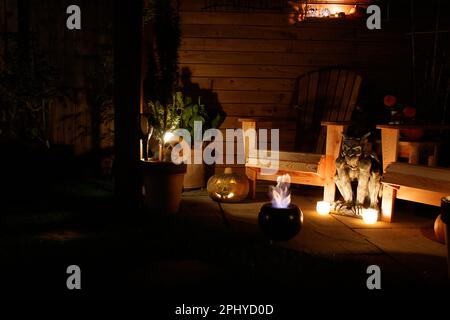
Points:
(128, 19)
(333, 147)
(251, 175)
(247, 125)
(433, 159)
(387, 203)
(389, 146)
(414, 153)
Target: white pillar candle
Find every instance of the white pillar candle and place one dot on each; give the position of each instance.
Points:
(323, 208)
(370, 216)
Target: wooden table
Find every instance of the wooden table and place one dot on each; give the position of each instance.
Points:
(390, 146)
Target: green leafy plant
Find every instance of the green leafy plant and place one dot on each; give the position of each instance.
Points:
(180, 112)
(166, 117)
(196, 112)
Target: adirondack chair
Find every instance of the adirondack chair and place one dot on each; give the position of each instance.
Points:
(325, 101)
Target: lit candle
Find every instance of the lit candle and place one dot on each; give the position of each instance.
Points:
(370, 216)
(323, 208)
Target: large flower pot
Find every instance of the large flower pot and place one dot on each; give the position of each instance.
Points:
(195, 175)
(163, 184)
(412, 134)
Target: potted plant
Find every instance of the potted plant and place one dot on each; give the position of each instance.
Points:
(401, 114)
(163, 179)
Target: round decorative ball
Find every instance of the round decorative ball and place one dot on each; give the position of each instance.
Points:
(439, 230)
(280, 224)
(228, 186)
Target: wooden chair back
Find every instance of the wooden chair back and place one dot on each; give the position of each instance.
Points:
(325, 95)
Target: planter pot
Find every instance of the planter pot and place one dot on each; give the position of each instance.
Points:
(195, 175)
(163, 184)
(280, 224)
(412, 134)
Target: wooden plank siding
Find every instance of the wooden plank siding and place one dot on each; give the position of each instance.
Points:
(251, 60)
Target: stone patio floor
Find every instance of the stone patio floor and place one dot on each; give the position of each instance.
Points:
(197, 253)
(405, 248)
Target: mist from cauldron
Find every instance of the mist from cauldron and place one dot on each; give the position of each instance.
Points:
(281, 195)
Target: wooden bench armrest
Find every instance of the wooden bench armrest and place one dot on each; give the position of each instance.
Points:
(265, 119)
(256, 119)
(337, 123)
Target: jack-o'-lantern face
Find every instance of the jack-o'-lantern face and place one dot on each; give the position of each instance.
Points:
(228, 187)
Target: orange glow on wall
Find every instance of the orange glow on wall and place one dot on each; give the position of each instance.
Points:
(328, 9)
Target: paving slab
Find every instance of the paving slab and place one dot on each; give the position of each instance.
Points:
(412, 249)
(322, 235)
(405, 247)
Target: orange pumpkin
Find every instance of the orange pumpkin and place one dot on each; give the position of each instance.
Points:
(439, 230)
(228, 186)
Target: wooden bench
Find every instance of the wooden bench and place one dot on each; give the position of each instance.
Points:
(416, 183)
(304, 168)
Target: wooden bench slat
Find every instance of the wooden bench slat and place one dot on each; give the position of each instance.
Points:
(442, 175)
(293, 156)
(416, 183)
(290, 166)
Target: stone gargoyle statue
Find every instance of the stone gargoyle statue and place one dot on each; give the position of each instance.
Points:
(357, 168)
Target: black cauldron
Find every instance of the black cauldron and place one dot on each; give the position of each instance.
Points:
(280, 224)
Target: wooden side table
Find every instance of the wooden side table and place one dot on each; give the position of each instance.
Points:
(392, 148)
(412, 150)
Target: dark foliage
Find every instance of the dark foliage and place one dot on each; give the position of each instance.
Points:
(162, 48)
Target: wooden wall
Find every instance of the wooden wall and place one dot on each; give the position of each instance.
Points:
(251, 59)
(248, 60)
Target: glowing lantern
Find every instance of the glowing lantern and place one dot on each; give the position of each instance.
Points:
(370, 216)
(323, 208)
(228, 187)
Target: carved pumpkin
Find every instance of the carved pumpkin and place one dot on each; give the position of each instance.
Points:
(228, 186)
(439, 230)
